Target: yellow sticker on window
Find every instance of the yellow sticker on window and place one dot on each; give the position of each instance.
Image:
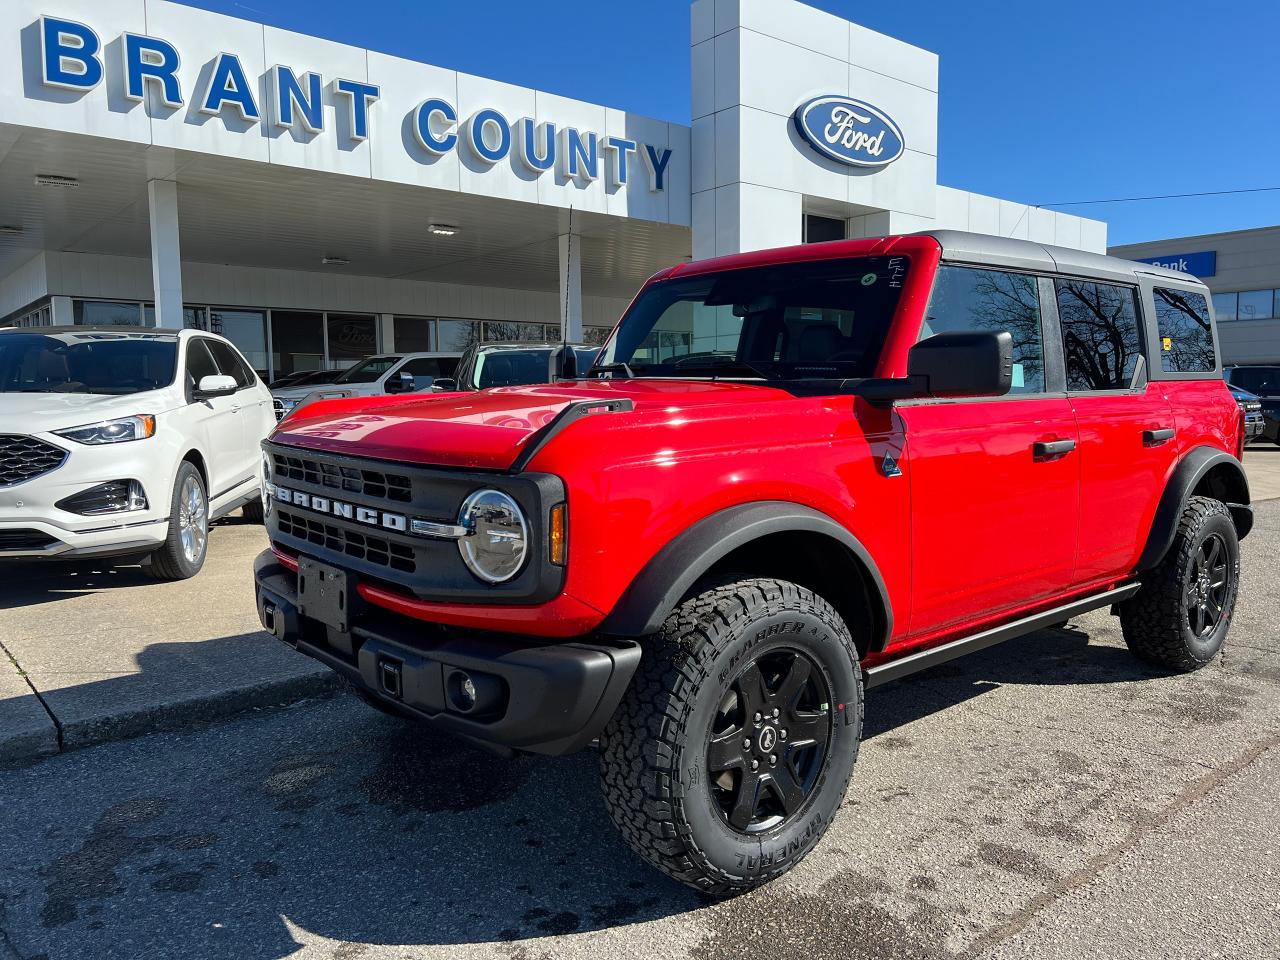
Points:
(1168, 343)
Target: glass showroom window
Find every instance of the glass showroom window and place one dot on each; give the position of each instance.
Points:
(297, 341)
(352, 337)
(413, 335)
(247, 329)
(1255, 304)
(108, 313)
(456, 335)
(1224, 305)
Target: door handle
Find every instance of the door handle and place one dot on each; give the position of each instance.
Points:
(1153, 438)
(1048, 449)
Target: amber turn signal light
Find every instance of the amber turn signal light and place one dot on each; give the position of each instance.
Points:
(558, 538)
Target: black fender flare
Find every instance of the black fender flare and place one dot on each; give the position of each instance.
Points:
(1191, 469)
(673, 570)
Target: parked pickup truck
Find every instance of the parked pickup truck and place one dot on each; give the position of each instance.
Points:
(385, 373)
(791, 475)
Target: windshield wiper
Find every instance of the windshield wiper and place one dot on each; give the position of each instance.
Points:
(716, 364)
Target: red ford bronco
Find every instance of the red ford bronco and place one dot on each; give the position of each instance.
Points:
(790, 476)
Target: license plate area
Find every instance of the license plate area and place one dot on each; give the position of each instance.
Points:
(324, 594)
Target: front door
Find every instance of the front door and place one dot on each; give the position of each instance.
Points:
(216, 421)
(1127, 442)
(995, 482)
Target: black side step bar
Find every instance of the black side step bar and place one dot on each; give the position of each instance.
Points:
(574, 411)
(913, 663)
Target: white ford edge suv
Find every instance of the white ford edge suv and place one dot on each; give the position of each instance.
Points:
(122, 441)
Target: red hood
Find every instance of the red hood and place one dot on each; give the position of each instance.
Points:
(484, 430)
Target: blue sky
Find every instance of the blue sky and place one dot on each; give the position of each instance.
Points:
(1101, 100)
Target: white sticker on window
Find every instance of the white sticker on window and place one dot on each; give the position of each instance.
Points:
(1018, 379)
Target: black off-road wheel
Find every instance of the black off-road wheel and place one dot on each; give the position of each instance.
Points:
(1180, 618)
(731, 752)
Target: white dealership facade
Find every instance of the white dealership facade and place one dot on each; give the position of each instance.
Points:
(317, 202)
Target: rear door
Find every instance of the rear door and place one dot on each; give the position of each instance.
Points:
(994, 481)
(1127, 428)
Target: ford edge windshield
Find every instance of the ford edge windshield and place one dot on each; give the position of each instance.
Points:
(817, 320)
(86, 363)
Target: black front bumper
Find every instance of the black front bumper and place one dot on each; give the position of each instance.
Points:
(542, 697)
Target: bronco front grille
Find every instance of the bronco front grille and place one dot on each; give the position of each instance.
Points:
(361, 546)
(278, 406)
(25, 458)
(351, 479)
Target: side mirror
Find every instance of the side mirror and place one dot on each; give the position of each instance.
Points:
(567, 363)
(964, 363)
(402, 382)
(216, 385)
(444, 385)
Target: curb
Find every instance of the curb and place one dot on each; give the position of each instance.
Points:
(28, 746)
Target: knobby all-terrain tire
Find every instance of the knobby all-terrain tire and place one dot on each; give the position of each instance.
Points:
(654, 751)
(170, 562)
(1156, 622)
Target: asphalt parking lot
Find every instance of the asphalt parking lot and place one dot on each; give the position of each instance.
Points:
(1051, 797)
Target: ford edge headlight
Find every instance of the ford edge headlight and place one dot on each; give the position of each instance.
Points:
(113, 431)
(497, 539)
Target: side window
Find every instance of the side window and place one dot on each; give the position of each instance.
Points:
(199, 363)
(424, 370)
(229, 363)
(1099, 334)
(965, 298)
(1186, 338)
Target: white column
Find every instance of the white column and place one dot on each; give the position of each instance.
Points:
(571, 286)
(386, 332)
(166, 255)
(61, 312)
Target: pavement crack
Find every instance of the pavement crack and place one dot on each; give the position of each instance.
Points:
(57, 724)
(1139, 830)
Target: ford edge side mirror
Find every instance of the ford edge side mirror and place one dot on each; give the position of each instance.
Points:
(963, 363)
(402, 382)
(216, 385)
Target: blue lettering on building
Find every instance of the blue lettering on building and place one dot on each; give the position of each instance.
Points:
(849, 131)
(1203, 263)
(71, 55)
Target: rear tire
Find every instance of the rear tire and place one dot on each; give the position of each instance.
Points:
(1180, 618)
(187, 544)
(757, 672)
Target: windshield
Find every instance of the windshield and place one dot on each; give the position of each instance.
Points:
(823, 320)
(1264, 381)
(368, 371)
(85, 363)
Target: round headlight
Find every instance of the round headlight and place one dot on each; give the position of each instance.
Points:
(266, 486)
(497, 539)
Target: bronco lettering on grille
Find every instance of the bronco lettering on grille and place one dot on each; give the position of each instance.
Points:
(346, 511)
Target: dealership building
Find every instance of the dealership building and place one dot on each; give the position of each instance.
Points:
(1242, 269)
(318, 202)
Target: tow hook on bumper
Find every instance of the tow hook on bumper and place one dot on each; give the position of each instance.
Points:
(508, 692)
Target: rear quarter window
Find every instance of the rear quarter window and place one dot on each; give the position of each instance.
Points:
(1186, 334)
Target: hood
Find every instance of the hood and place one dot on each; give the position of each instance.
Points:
(46, 412)
(488, 429)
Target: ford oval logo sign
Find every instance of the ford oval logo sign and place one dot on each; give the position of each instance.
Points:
(850, 131)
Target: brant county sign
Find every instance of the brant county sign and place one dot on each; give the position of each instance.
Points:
(850, 131)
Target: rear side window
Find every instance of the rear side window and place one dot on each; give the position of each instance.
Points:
(1186, 337)
(967, 299)
(424, 370)
(1100, 336)
(229, 363)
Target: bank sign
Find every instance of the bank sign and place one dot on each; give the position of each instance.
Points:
(1201, 264)
(73, 58)
(849, 131)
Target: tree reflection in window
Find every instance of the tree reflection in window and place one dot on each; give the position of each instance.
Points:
(965, 298)
(1099, 334)
(1186, 338)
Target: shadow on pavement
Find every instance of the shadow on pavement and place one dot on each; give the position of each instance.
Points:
(333, 821)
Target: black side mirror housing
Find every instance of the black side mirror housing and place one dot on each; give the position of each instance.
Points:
(963, 363)
(402, 382)
(567, 363)
(444, 385)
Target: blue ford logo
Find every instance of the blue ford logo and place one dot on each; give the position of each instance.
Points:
(850, 131)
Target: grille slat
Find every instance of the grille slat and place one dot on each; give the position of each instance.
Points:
(361, 546)
(374, 484)
(25, 458)
(25, 540)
